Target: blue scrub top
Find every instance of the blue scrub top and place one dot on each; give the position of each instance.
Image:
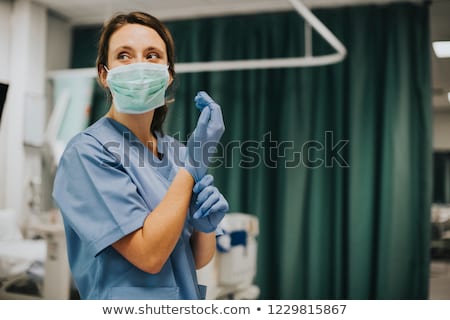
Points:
(106, 184)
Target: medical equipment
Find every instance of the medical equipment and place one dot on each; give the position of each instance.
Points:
(440, 231)
(72, 96)
(36, 268)
(58, 284)
(21, 269)
(231, 273)
(17, 255)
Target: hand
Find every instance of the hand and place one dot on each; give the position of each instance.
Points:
(208, 206)
(206, 135)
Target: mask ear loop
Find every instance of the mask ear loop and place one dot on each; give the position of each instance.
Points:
(108, 90)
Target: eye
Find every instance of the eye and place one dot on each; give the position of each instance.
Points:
(123, 56)
(153, 56)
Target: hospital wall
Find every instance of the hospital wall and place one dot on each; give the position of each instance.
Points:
(5, 11)
(32, 41)
(59, 35)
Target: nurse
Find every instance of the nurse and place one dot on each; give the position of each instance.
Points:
(139, 211)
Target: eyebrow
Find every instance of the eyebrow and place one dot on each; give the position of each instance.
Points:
(159, 50)
(128, 48)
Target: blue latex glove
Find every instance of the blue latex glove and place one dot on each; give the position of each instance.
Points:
(206, 135)
(208, 206)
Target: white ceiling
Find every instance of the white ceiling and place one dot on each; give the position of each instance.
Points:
(83, 12)
(96, 11)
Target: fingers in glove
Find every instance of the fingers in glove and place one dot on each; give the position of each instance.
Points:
(206, 181)
(205, 194)
(203, 119)
(212, 200)
(216, 115)
(220, 206)
(202, 100)
(197, 214)
(205, 206)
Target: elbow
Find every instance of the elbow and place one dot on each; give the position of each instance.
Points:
(201, 262)
(152, 269)
(199, 265)
(153, 266)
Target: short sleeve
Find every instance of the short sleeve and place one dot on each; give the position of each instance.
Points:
(97, 198)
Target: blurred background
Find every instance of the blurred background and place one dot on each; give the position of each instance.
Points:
(345, 167)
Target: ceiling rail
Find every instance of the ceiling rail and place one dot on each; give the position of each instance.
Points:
(308, 60)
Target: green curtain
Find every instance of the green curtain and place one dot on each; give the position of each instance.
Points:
(335, 161)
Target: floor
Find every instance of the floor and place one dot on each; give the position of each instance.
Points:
(440, 280)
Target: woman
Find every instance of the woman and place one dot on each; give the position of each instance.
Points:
(139, 210)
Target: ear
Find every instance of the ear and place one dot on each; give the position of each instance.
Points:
(102, 76)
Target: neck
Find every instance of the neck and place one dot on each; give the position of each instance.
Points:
(139, 124)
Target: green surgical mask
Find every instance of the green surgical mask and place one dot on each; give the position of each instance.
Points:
(138, 87)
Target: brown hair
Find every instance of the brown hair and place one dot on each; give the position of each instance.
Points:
(118, 21)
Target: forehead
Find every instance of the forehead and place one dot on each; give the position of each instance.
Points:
(136, 36)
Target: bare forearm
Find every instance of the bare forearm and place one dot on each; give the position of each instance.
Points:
(149, 247)
(203, 247)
